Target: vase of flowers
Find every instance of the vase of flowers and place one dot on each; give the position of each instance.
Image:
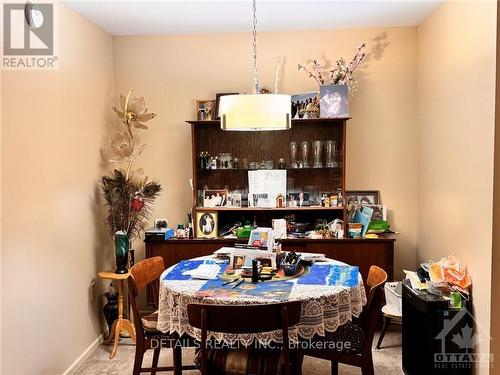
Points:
(128, 194)
(335, 82)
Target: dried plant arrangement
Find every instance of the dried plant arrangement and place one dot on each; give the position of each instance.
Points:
(128, 194)
(339, 74)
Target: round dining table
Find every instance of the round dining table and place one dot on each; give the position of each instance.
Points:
(324, 307)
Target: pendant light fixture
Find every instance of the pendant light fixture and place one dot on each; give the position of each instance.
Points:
(257, 111)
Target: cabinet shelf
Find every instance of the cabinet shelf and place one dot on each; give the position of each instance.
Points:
(235, 209)
(233, 170)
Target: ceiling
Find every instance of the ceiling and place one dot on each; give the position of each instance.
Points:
(184, 17)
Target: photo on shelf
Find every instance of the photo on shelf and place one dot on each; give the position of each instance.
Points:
(363, 197)
(259, 200)
(215, 198)
(379, 212)
(206, 224)
(205, 110)
(234, 200)
(334, 101)
(305, 105)
(300, 199)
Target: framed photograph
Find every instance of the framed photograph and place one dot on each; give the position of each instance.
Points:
(363, 197)
(206, 224)
(379, 212)
(215, 198)
(305, 105)
(300, 199)
(334, 101)
(233, 200)
(217, 101)
(205, 109)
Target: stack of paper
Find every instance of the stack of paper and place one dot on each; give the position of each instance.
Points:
(204, 272)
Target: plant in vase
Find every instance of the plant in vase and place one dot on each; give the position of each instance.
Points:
(128, 194)
(336, 83)
(339, 74)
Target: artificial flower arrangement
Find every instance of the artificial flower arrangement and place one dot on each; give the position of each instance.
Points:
(340, 74)
(128, 194)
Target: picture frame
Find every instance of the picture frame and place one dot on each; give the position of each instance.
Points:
(379, 212)
(334, 101)
(363, 197)
(205, 110)
(305, 105)
(215, 198)
(206, 224)
(217, 102)
(233, 200)
(298, 199)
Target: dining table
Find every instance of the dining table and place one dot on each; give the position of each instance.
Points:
(331, 294)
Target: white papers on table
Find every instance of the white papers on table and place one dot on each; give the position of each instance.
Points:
(204, 272)
(414, 280)
(313, 257)
(264, 186)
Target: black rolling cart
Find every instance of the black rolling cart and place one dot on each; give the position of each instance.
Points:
(436, 339)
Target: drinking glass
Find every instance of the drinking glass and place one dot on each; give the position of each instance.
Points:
(331, 154)
(304, 147)
(317, 148)
(293, 154)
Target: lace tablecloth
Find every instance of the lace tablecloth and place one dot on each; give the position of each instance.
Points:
(324, 309)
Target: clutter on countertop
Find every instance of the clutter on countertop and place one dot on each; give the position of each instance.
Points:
(447, 277)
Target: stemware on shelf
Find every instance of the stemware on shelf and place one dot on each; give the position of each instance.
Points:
(331, 154)
(293, 155)
(317, 148)
(304, 147)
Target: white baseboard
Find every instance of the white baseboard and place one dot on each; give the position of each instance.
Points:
(83, 357)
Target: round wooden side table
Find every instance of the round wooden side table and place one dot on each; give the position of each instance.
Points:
(120, 323)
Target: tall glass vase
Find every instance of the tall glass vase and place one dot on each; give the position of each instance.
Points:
(121, 252)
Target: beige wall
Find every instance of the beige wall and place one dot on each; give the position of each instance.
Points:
(172, 71)
(495, 264)
(53, 124)
(456, 92)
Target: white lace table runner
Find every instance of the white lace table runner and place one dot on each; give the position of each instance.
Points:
(324, 309)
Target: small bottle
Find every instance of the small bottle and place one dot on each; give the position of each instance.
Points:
(281, 163)
(340, 200)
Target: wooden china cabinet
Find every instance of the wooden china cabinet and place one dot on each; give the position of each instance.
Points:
(257, 146)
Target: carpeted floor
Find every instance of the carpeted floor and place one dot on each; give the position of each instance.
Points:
(387, 360)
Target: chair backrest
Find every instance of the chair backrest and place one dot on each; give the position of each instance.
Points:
(375, 298)
(244, 319)
(376, 276)
(143, 273)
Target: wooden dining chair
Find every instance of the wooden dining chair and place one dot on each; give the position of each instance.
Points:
(358, 333)
(240, 319)
(143, 273)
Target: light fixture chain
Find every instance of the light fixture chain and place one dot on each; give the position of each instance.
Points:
(254, 34)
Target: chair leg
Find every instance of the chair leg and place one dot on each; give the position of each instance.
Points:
(139, 354)
(177, 357)
(387, 320)
(367, 366)
(335, 368)
(156, 356)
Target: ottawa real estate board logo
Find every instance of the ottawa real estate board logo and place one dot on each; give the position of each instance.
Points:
(28, 41)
